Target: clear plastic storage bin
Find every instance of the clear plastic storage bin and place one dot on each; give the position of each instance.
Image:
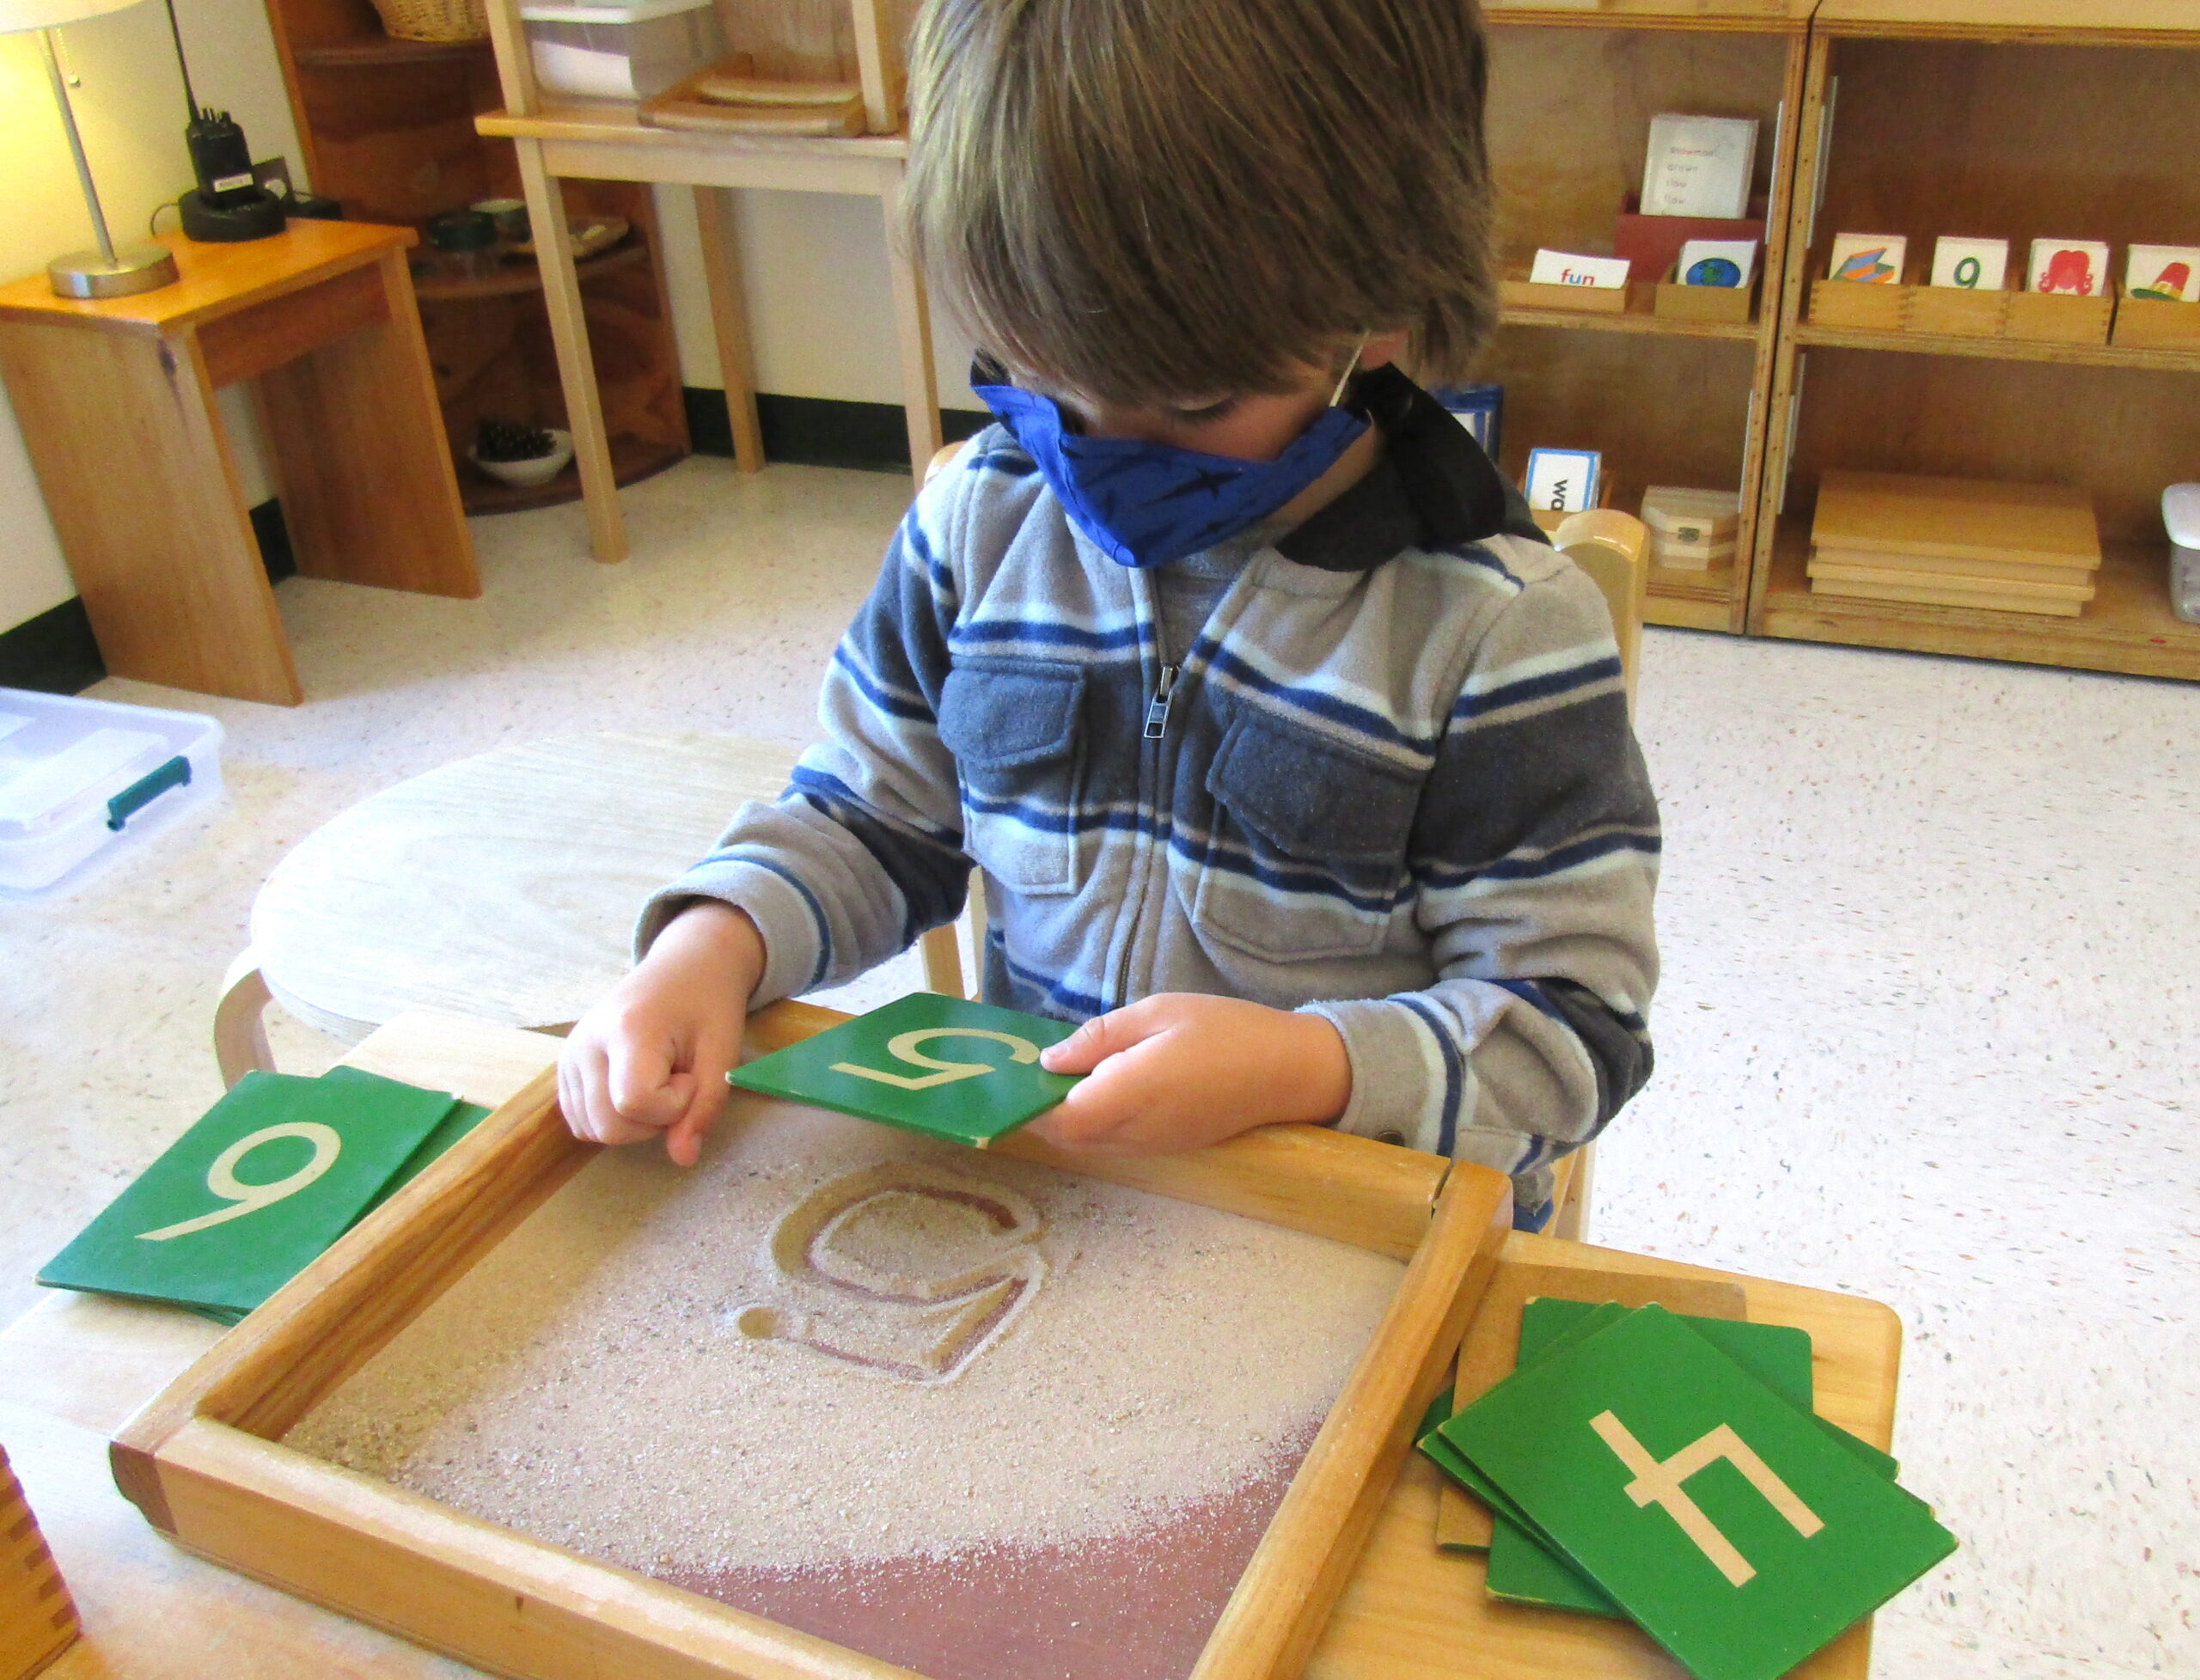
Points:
(621, 52)
(79, 778)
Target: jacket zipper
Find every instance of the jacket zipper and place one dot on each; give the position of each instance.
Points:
(1157, 708)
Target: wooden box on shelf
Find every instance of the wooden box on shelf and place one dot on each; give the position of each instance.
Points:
(1517, 291)
(38, 1619)
(2149, 323)
(1728, 303)
(205, 1460)
(2047, 317)
(2036, 317)
(1858, 307)
(1958, 312)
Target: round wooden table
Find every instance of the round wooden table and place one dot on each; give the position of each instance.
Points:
(503, 886)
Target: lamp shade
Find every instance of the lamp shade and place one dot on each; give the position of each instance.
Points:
(45, 14)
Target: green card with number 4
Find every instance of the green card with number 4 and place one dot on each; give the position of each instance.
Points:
(264, 1182)
(965, 1071)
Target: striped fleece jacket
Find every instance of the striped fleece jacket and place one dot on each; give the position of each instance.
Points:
(1390, 781)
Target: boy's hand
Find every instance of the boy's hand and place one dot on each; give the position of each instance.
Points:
(650, 1058)
(1180, 1070)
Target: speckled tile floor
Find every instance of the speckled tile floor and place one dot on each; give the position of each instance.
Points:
(1932, 935)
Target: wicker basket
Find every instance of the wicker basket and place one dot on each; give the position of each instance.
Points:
(434, 19)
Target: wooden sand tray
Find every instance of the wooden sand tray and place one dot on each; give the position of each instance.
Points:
(204, 1463)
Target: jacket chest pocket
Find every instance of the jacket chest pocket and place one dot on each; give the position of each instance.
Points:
(1012, 727)
(1306, 856)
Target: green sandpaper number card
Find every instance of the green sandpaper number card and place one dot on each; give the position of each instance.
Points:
(966, 1071)
(260, 1184)
(1740, 1534)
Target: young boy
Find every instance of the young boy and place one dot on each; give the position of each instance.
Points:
(1298, 765)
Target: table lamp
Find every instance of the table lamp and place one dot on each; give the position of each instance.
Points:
(108, 271)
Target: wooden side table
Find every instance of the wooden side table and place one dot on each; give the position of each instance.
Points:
(116, 399)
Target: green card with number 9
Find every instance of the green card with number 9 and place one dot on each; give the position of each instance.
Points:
(965, 1071)
(267, 1179)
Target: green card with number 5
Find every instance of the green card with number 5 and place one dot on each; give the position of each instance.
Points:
(267, 1179)
(965, 1071)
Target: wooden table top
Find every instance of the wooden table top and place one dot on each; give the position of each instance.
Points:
(215, 280)
(504, 886)
(76, 1366)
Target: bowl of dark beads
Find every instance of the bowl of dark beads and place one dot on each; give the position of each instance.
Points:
(521, 455)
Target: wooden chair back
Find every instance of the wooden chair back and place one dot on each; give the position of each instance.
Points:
(1614, 549)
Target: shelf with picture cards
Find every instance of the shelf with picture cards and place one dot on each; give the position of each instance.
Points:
(1638, 315)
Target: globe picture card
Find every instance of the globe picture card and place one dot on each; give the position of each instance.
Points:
(966, 1071)
(1736, 1532)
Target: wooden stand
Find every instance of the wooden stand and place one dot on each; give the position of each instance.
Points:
(388, 128)
(117, 404)
(204, 1463)
(1967, 115)
(1670, 389)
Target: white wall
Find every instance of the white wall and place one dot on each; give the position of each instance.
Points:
(814, 263)
(130, 108)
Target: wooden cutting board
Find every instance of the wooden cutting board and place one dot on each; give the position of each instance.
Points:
(2044, 524)
(2002, 589)
(1924, 567)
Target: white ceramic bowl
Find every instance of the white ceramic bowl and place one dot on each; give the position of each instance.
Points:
(527, 474)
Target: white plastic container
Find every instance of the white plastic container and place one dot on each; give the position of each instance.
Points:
(82, 778)
(622, 51)
(2181, 517)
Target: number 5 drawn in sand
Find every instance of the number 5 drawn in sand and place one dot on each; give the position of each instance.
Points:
(902, 1046)
(222, 1177)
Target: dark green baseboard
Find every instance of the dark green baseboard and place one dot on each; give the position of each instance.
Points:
(821, 431)
(55, 653)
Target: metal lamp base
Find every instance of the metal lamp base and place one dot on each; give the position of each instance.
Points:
(135, 268)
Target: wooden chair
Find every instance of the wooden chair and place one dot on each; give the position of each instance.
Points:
(1612, 548)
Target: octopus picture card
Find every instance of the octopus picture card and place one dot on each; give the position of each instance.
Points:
(984, 1081)
(1737, 1533)
(1872, 259)
(2163, 273)
(1970, 265)
(257, 1188)
(2073, 267)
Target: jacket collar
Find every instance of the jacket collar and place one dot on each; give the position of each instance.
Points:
(1432, 488)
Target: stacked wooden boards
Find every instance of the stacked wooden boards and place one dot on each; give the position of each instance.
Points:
(1955, 542)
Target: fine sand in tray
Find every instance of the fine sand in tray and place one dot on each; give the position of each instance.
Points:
(974, 1416)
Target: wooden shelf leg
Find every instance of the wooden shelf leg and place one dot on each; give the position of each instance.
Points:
(729, 323)
(912, 329)
(561, 295)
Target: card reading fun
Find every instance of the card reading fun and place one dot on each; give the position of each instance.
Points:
(1737, 1533)
(264, 1182)
(882, 1067)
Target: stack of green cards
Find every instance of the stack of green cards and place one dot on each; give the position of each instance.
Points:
(881, 1066)
(264, 1182)
(1670, 1470)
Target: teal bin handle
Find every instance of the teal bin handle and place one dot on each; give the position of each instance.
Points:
(176, 772)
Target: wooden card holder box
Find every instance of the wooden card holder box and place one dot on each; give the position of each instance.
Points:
(2152, 323)
(204, 1465)
(1733, 304)
(1517, 291)
(2037, 317)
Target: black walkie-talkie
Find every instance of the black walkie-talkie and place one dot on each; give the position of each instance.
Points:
(220, 158)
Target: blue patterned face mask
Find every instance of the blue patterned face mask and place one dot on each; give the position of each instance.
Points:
(1145, 504)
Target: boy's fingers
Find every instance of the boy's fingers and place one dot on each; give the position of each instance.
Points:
(639, 1085)
(706, 1100)
(1102, 1036)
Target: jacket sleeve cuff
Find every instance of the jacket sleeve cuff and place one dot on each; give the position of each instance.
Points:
(1402, 1084)
(793, 925)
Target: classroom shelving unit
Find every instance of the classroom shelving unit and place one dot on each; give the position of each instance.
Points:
(388, 129)
(2002, 119)
(1666, 401)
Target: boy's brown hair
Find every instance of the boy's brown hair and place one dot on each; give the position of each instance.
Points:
(1146, 201)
